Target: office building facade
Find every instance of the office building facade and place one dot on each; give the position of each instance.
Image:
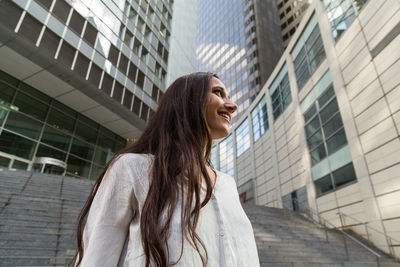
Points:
(290, 13)
(240, 41)
(322, 136)
(77, 79)
(182, 52)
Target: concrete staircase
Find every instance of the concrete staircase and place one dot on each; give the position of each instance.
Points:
(287, 239)
(38, 216)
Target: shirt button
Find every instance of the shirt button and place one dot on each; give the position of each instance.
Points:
(221, 233)
(212, 197)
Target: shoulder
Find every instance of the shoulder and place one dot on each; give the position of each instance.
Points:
(131, 162)
(134, 158)
(226, 181)
(226, 177)
(134, 168)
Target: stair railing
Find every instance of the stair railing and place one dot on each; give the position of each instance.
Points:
(318, 219)
(368, 229)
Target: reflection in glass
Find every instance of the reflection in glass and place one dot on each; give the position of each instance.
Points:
(260, 119)
(101, 156)
(341, 14)
(6, 95)
(323, 185)
(96, 171)
(78, 167)
(344, 175)
(86, 132)
(332, 125)
(19, 165)
(31, 106)
(61, 121)
(22, 124)
(329, 110)
(4, 162)
(312, 126)
(226, 156)
(318, 154)
(46, 151)
(56, 138)
(82, 149)
(16, 145)
(242, 138)
(315, 140)
(336, 142)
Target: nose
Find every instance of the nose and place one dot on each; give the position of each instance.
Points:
(230, 106)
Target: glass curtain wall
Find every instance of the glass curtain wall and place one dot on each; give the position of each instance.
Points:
(35, 125)
(242, 137)
(226, 156)
(308, 52)
(259, 118)
(341, 13)
(326, 139)
(280, 93)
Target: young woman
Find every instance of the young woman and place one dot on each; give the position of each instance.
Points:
(158, 202)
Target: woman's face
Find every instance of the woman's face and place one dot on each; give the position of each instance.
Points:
(219, 109)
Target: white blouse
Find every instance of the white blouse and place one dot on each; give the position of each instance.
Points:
(112, 236)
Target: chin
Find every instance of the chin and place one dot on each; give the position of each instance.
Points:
(220, 134)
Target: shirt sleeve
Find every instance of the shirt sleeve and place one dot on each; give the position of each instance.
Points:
(114, 207)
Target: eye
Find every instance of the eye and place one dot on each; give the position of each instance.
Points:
(218, 92)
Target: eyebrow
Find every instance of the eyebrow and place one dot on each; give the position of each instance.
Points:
(223, 89)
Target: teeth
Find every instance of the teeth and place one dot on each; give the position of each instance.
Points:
(225, 115)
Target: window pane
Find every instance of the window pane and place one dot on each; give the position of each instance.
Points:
(19, 165)
(314, 140)
(259, 119)
(311, 112)
(6, 94)
(19, 123)
(332, 125)
(323, 185)
(4, 162)
(326, 96)
(312, 126)
(16, 145)
(120, 143)
(56, 138)
(78, 167)
(329, 110)
(226, 156)
(336, 142)
(318, 154)
(242, 138)
(96, 171)
(45, 151)
(344, 175)
(101, 156)
(82, 149)
(61, 121)
(86, 132)
(106, 142)
(8, 78)
(30, 106)
(277, 112)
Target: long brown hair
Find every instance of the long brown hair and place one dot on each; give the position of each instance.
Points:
(178, 137)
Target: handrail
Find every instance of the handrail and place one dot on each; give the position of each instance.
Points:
(389, 239)
(310, 213)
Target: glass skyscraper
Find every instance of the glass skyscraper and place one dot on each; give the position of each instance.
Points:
(240, 41)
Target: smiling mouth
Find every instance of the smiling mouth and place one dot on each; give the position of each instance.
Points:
(225, 116)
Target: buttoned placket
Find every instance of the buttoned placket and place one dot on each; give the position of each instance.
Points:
(222, 235)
